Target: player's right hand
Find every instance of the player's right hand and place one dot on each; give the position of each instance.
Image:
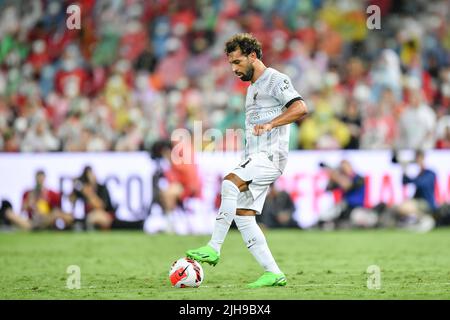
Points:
(259, 129)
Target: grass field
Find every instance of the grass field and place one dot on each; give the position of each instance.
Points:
(319, 265)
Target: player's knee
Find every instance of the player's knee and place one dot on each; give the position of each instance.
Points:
(241, 184)
(246, 212)
(243, 222)
(229, 189)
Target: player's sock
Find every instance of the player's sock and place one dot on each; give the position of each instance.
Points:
(256, 242)
(227, 212)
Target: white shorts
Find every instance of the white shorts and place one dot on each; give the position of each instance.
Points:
(261, 172)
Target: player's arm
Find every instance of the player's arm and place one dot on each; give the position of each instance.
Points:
(297, 110)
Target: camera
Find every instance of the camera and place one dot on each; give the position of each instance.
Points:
(323, 165)
(77, 187)
(394, 158)
(399, 158)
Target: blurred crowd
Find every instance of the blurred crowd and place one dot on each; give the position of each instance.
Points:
(136, 70)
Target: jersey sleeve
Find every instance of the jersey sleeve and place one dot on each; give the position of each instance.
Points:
(284, 91)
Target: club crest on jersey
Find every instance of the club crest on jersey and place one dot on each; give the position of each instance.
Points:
(286, 86)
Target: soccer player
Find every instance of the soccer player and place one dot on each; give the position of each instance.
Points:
(271, 105)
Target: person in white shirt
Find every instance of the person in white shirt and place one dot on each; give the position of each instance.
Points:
(271, 105)
(417, 124)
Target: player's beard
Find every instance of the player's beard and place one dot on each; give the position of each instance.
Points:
(248, 75)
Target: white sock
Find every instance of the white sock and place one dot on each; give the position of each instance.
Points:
(227, 212)
(256, 242)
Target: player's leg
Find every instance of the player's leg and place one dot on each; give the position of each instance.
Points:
(251, 203)
(232, 185)
(257, 245)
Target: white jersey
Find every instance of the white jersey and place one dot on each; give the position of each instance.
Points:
(266, 99)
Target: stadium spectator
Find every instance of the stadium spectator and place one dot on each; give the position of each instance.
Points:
(43, 206)
(152, 60)
(278, 210)
(443, 133)
(417, 123)
(386, 73)
(147, 60)
(352, 119)
(379, 127)
(444, 141)
(39, 138)
(322, 130)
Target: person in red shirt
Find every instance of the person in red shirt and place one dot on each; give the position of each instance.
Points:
(182, 176)
(444, 141)
(43, 206)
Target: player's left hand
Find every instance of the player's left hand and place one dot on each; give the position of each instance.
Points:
(259, 129)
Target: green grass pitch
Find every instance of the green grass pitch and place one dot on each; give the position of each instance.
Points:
(318, 265)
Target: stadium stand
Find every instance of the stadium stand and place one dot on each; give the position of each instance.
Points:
(136, 70)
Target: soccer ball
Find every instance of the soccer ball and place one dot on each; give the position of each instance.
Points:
(185, 273)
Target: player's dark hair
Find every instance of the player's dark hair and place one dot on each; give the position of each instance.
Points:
(246, 42)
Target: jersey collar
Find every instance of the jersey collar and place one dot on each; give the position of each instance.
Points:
(263, 75)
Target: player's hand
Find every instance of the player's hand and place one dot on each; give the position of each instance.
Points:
(259, 129)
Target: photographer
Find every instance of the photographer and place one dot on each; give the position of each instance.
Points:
(351, 185)
(97, 201)
(10, 219)
(43, 206)
(278, 210)
(418, 210)
(159, 151)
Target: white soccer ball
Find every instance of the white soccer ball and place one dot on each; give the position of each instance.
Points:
(186, 273)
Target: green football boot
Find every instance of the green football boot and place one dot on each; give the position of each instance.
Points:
(204, 254)
(269, 279)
